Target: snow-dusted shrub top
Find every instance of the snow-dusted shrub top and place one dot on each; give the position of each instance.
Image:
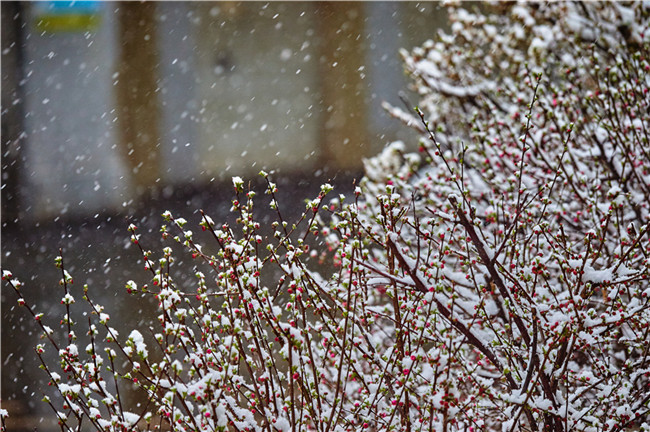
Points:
(529, 216)
(497, 279)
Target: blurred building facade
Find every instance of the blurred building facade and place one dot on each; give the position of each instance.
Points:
(103, 102)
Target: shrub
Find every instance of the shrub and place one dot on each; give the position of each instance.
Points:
(495, 279)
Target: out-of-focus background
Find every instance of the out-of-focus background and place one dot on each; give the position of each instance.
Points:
(113, 112)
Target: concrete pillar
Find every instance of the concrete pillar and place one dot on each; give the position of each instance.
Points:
(12, 110)
(136, 91)
(344, 139)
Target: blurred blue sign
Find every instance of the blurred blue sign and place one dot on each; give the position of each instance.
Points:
(67, 16)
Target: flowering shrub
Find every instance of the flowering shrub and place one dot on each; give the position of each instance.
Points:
(495, 280)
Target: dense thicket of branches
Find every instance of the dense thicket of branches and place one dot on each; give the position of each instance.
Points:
(497, 279)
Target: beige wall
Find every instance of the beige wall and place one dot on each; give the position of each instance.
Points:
(257, 86)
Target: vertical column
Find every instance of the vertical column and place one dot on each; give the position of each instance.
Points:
(12, 109)
(137, 93)
(344, 140)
